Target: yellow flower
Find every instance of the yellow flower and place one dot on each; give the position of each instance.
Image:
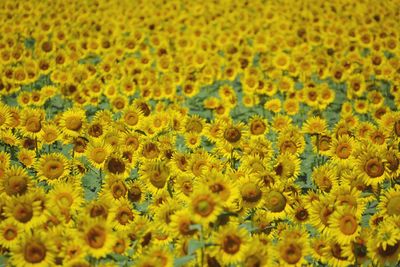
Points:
(344, 225)
(97, 237)
(204, 206)
(52, 167)
(155, 175)
(73, 121)
(15, 181)
(35, 249)
(97, 153)
(232, 244)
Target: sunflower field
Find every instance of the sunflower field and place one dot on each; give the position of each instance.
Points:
(171, 133)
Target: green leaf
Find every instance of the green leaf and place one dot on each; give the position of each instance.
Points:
(182, 261)
(194, 245)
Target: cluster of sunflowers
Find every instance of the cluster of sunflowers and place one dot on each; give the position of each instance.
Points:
(199, 133)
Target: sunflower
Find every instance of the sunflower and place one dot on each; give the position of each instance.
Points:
(315, 125)
(163, 214)
(24, 211)
(31, 122)
(132, 117)
(97, 152)
(222, 186)
(324, 177)
(370, 164)
(135, 191)
(344, 225)
(383, 254)
(192, 140)
(50, 133)
(335, 253)
(34, 249)
(388, 233)
(155, 175)
(10, 234)
(320, 212)
(183, 187)
(117, 165)
(342, 150)
(99, 208)
(389, 202)
(181, 221)
(97, 237)
(204, 205)
(232, 244)
(66, 196)
(291, 251)
(122, 214)
(52, 167)
(15, 181)
(73, 122)
(251, 190)
(277, 201)
(287, 166)
(114, 188)
(233, 135)
(5, 117)
(281, 122)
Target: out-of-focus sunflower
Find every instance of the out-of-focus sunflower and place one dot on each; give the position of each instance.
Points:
(15, 181)
(52, 167)
(97, 237)
(155, 175)
(370, 164)
(389, 202)
(122, 214)
(10, 234)
(204, 205)
(5, 117)
(24, 211)
(97, 153)
(344, 225)
(34, 249)
(73, 122)
(31, 122)
(233, 244)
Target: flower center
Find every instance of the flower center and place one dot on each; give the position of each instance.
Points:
(73, 123)
(231, 244)
(53, 169)
(98, 155)
(203, 206)
(276, 201)
(250, 192)
(98, 210)
(393, 205)
(343, 150)
(96, 237)
(33, 124)
(257, 127)
(118, 189)
(232, 135)
(134, 193)
(348, 224)
(374, 167)
(34, 252)
(16, 185)
(115, 165)
(131, 118)
(288, 146)
(291, 253)
(194, 126)
(124, 215)
(10, 233)
(389, 251)
(23, 212)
